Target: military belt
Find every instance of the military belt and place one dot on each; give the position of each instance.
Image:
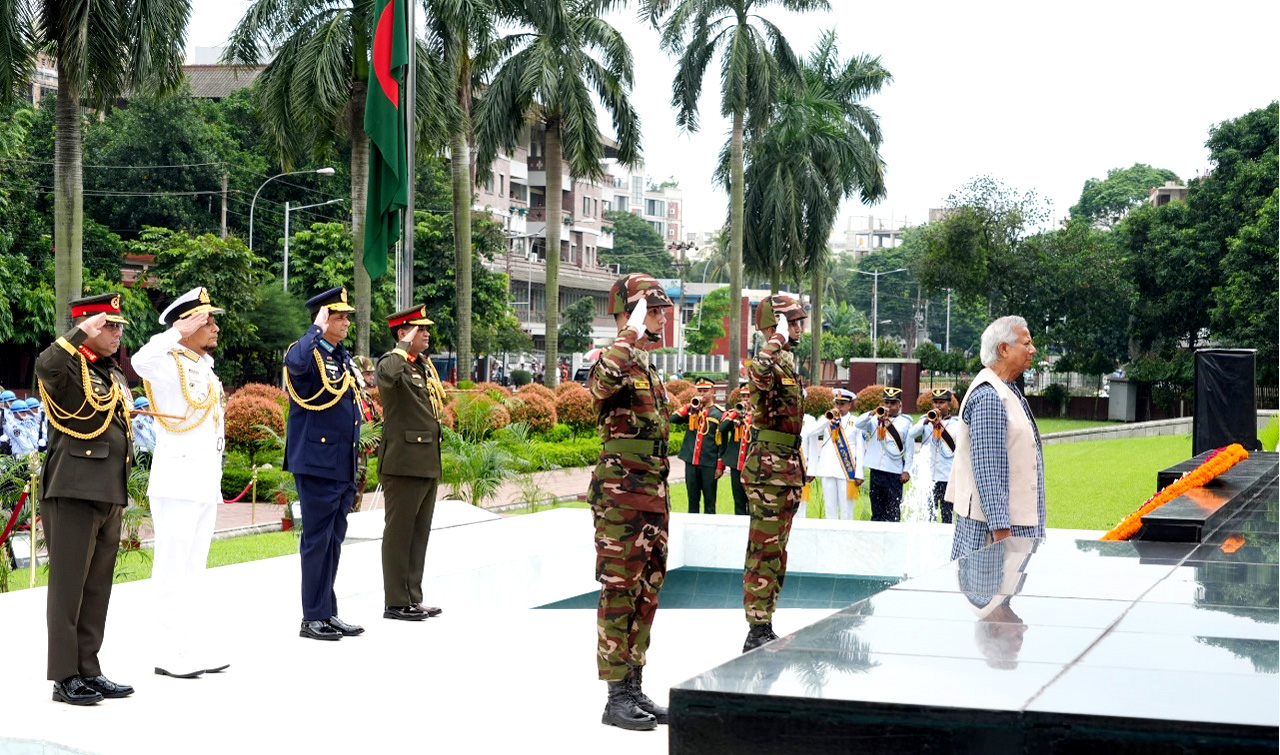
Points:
(773, 436)
(636, 446)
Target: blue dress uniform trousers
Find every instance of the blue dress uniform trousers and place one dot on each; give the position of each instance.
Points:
(325, 505)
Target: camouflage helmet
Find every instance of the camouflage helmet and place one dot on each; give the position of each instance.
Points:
(628, 290)
(768, 311)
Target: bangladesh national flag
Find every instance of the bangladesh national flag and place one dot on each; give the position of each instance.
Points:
(384, 122)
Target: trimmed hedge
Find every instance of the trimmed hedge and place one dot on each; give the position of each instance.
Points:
(868, 399)
(818, 400)
(574, 406)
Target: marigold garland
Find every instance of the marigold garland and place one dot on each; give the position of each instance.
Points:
(1215, 464)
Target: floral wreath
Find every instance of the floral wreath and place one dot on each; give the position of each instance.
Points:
(1214, 465)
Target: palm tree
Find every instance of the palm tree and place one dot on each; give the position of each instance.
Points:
(821, 145)
(311, 96)
(755, 58)
(549, 70)
(103, 51)
(459, 37)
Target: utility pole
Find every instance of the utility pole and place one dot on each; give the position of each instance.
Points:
(875, 306)
(224, 204)
(948, 348)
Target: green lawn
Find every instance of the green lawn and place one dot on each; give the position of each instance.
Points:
(1055, 425)
(1089, 485)
(137, 564)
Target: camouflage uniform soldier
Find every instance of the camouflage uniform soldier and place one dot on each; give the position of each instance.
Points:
(773, 472)
(629, 498)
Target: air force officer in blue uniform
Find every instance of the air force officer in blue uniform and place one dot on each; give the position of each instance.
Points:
(320, 451)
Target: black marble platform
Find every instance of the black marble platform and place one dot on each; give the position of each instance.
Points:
(1025, 647)
(1187, 518)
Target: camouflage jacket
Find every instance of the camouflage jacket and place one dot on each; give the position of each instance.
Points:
(631, 405)
(777, 399)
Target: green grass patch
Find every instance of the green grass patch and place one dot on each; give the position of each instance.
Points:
(1094, 485)
(1270, 434)
(1055, 425)
(137, 564)
(1089, 485)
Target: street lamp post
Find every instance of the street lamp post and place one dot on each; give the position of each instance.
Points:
(875, 302)
(287, 209)
(317, 171)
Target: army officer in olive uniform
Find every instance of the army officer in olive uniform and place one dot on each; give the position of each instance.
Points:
(83, 491)
(321, 443)
(408, 461)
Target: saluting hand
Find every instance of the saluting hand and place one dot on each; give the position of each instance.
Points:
(636, 320)
(92, 326)
(412, 334)
(322, 319)
(188, 325)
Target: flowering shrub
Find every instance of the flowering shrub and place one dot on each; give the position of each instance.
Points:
(245, 412)
(574, 406)
(680, 391)
(819, 401)
(539, 389)
(676, 385)
(567, 385)
(263, 390)
(450, 418)
(535, 408)
(868, 399)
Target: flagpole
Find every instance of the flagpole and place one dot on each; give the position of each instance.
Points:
(404, 294)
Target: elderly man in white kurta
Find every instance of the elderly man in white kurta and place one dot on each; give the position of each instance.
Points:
(836, 456)
(997, 483)
(186, 479)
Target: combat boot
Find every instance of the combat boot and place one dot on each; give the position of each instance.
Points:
(622, 710)
(759, 635)
(634, 679)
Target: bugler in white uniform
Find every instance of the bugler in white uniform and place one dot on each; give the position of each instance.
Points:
(186, 479)
(825, 459)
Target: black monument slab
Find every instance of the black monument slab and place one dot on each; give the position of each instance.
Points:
(1026, 647)
(1200, 510)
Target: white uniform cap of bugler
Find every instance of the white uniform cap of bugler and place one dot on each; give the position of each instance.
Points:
(191, 303)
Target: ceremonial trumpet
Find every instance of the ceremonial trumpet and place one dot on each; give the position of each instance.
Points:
(831, 415)
(695, 403)
(881, 411)
(932, 416)
(740, 406)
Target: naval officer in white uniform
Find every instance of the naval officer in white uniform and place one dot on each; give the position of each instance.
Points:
(186, 480)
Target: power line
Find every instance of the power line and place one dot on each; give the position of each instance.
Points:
(118, 167)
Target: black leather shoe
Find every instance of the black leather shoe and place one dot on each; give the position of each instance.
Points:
(430, 611)
(348, 630)
(218, 669)
(403, 613)
(760, 634)
(74, 691)
(319, 630)
(622, 711)
(105, 687)
(179, 674)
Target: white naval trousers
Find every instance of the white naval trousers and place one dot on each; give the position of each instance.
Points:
(835, 498)
(183, 530)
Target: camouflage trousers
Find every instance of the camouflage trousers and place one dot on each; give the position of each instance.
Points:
(773, 507)
(631, 564)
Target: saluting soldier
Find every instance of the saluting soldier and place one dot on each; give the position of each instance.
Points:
(701, 450)
(774, 473)
(321, 445)
(734, 426)
(84, 489)
(629, 497)
(185, 485)
(890, 452)
(408, 461)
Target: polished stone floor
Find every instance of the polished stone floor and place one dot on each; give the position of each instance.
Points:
(1009, 648)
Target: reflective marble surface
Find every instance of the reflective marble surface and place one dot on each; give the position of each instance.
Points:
(1099, 635)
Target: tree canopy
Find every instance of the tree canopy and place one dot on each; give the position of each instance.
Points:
(1104, 202)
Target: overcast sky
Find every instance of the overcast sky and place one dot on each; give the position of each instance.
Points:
(1040, 95)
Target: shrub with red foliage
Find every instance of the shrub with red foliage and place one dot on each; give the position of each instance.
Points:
(534, 408)
(868, 399)
(494, 391)
(449, 419)
(262, 390)
(574, 406)
(245, 412)
(538, 389)
(819, 400)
